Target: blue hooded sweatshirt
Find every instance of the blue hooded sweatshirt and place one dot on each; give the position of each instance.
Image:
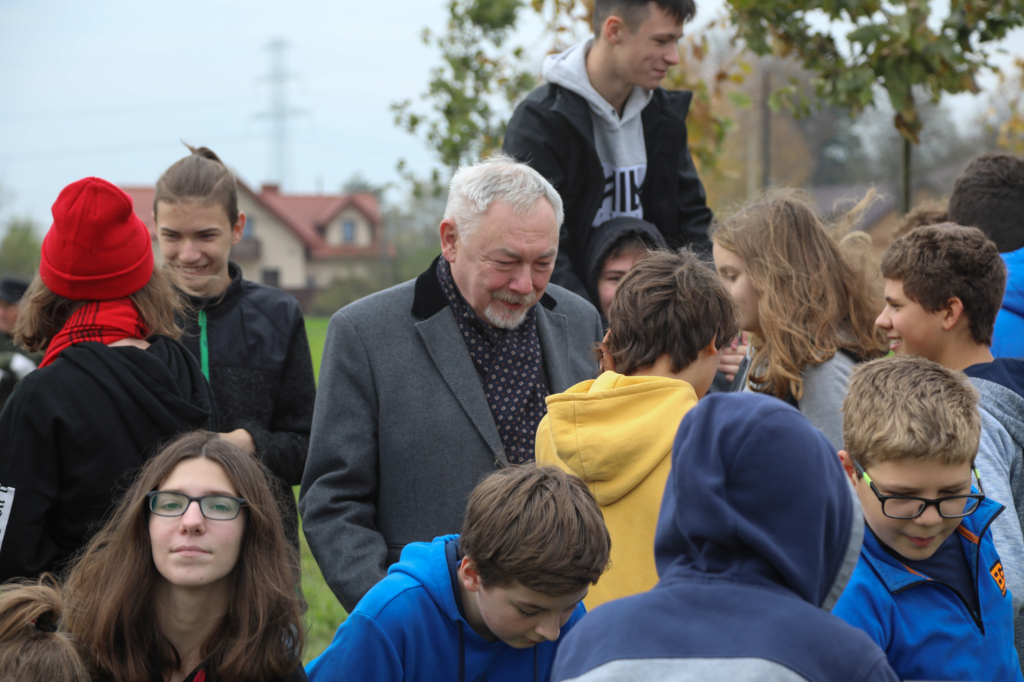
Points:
(1008, 336)
(408, 627)
(759, 532)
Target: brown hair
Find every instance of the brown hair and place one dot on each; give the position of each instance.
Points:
(539, 527)
(110, 587)
(814, 300)
(989, 195)
(937, 262)
(32, 648)
(928, 213)
(636, 12)
(43, 313)
(907, 407)
(669, 302)
(200, 177)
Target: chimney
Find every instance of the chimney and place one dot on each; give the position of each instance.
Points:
(270, 188)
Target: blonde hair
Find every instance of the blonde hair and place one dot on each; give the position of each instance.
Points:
(43, 313)
(32, 647)
(907, 407)
(815, 296)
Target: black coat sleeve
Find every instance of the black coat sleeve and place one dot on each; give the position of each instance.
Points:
(283, 444)
(530, 137)
(693, 217)
(30, 473)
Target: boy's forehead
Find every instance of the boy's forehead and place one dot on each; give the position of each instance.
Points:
(913, 472)
(523, 595)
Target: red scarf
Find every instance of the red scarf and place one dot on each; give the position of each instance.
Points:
(102, 321)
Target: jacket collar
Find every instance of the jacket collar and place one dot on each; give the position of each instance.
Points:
(215, 306)
(897, 576)
(428, 299)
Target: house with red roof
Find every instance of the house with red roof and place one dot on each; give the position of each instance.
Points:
(297, 242)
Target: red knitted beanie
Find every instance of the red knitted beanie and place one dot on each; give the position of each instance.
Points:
(97, 248)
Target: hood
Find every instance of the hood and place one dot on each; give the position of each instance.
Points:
(614, 430)
(569, 70)
(756, 494)
(161, 387)
(1013, 299)
(604, 236)
(427, 564)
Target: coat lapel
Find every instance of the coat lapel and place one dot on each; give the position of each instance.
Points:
(553, 330)
(441, 336)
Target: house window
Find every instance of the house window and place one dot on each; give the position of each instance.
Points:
(272, 277)
(250, 224)
(348, 231)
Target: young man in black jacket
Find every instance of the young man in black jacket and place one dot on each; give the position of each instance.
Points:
(611, 141)
(250, 338)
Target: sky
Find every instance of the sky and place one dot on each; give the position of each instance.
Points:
(111, 88)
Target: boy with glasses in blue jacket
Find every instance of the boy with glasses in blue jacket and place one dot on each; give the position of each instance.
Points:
(929, 588)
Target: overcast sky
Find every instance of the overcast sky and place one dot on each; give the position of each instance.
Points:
(111, 87)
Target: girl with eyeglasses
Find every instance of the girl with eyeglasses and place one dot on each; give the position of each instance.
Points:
(192, 579)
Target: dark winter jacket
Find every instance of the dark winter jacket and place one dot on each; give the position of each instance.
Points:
(262, 376)
(74, 432)
(758, 534)
(552, 130)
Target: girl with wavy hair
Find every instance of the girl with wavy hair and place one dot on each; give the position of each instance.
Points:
(192, 579)
(32, 646)
(806, 299)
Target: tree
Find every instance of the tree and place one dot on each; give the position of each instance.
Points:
(473, 91)
(1011, 116)
(869, 43)
(20, 248)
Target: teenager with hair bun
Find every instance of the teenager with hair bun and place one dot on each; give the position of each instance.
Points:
(806, 300)
(114, 381)
(191, 579)
(32, 646)
(249, 337)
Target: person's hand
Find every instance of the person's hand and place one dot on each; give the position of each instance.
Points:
(733, 354)
(607, 363)
(241, 438)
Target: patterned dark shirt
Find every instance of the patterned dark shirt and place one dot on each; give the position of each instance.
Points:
(509, 364)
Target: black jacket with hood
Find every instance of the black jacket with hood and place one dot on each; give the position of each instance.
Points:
(262, 376)
(74, 432)
(552, 130)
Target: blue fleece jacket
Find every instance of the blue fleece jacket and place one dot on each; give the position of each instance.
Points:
(758, 533)
(408, 628)
(1008, 336)
(923, 625)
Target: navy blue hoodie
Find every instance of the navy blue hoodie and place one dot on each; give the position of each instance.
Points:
(758, 534)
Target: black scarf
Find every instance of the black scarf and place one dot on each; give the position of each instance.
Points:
(509, 364)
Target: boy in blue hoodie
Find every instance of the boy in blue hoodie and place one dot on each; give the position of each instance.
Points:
(929, 588)
(759, 532)
(487, 604)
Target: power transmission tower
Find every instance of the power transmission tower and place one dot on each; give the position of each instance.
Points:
(279, 112)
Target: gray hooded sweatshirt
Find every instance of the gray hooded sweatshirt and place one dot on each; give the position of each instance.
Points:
(619, 140)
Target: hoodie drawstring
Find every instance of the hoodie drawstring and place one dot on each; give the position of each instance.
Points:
(536, 676)
(462, 655)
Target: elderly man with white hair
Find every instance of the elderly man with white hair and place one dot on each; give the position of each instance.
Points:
(430, 385)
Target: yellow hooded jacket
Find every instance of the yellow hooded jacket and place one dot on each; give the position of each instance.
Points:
(616, 433)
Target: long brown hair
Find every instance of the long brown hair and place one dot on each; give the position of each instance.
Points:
(32, 648)
(109, 592)
(43, 313)
(815, 297)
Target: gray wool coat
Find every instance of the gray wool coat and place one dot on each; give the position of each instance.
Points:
(402, 432)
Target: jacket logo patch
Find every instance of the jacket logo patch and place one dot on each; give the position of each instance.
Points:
(997, 574)
(6, 502)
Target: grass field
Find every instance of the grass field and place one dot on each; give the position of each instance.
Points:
(325, 614)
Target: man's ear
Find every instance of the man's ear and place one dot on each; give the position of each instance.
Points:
(613, 29)
(847, 461)
(952, 313)
(449, 239)
(238, 229)
(469, 574)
